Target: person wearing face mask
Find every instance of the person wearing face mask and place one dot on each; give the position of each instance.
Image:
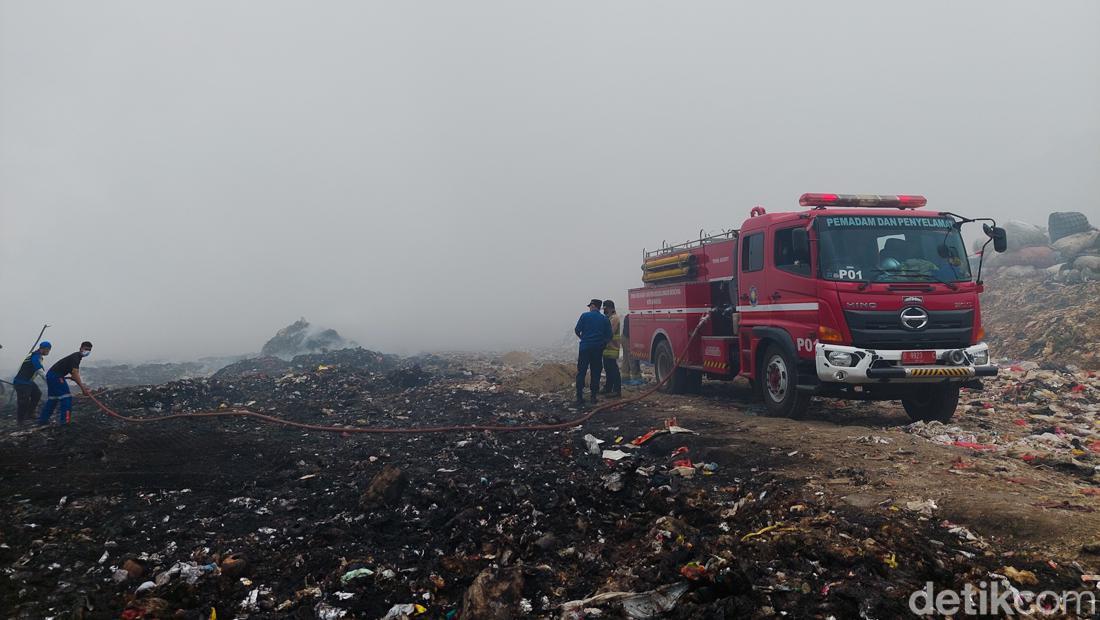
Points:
(57, 387)
(26, 391)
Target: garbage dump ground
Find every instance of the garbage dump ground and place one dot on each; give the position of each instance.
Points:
(1044, 320)
(674, 507)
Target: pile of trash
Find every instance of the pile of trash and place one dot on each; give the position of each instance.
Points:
(1067, 251)
(335, 394)
(517, 359)
(297, 340)
(269, 366)
(621, 518)
(1042, 416)
(266, 365)
(110, 375)
(122, 375)
(1042, 301)
(1046, 322)
(301, 337)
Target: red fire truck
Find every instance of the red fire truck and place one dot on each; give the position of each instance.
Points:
(864, 297)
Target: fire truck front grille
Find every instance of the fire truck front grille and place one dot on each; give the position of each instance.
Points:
(946, 329)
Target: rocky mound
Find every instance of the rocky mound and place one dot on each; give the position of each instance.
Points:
(301, 337)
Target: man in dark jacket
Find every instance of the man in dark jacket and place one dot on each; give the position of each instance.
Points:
(594, 331)
(26, 391)
(57, 388)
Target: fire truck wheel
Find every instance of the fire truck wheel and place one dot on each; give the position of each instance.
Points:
(694, 382)
(663, 363)
(779, 384)
(932, 403)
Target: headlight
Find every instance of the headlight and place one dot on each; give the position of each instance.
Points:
(840, 358)
(981, 358)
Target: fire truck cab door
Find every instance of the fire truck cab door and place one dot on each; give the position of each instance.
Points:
(791, 288)
(751, 284)
(751, 277)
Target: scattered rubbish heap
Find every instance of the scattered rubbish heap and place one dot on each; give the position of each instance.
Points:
(635, 515)
(1045, 321)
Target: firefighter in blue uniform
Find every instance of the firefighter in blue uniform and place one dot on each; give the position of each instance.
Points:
(26, 391)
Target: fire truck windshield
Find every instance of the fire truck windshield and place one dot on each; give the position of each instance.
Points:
(891, 249)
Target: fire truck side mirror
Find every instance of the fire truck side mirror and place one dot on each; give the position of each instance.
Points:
(999, 237)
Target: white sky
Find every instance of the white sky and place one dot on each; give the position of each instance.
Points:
(182, 179)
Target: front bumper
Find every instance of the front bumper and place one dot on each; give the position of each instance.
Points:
(882, 366)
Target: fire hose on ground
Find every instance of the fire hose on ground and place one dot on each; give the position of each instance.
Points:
(263, 417)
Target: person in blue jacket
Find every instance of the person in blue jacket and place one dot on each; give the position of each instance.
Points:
(594, 331)
(26, 391)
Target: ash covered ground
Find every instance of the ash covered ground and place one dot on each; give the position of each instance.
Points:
(743, 517)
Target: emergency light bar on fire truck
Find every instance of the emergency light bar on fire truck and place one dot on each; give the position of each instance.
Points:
(870, 201)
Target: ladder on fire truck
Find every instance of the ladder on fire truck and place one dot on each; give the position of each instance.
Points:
(703, 239)
(677, 262)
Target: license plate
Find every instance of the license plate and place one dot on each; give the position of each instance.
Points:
(918, 357)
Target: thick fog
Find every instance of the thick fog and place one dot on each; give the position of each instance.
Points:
(183, 179)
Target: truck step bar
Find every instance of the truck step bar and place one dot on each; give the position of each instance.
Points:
(932, 371)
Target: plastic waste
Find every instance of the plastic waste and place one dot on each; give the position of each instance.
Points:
(1022, 577)
(654, 602)
(637, 605)
(1072, 246)
(693, 571)
(355, 574)
(403, 611)
(325, 611)
(592, 444)
(974, 445)
(684, 471)
(613, 482)
(637, 441)
(672, 426)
